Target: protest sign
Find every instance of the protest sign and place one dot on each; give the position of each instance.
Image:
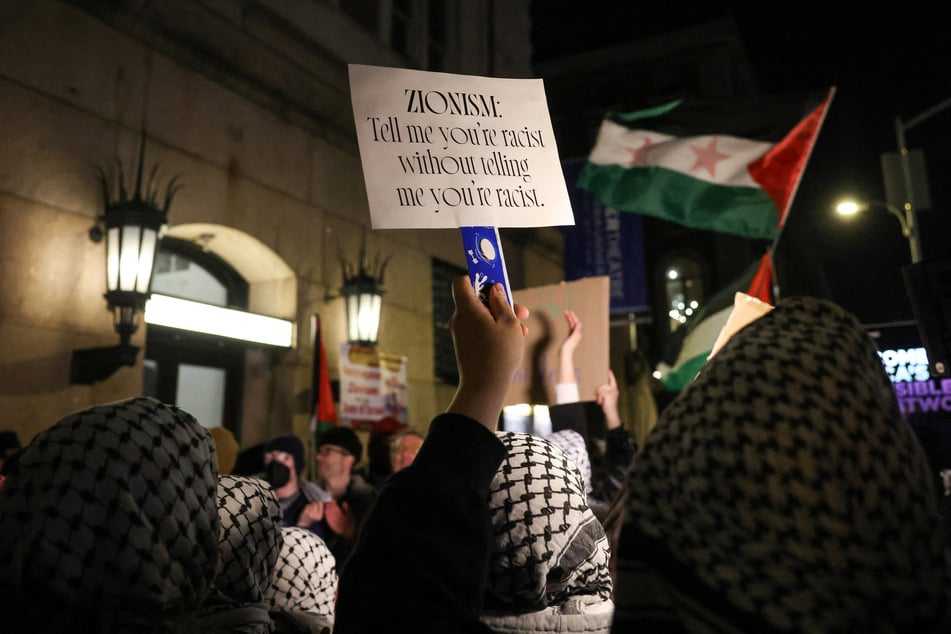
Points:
(444, 151)
(534, 381)
(372, 386)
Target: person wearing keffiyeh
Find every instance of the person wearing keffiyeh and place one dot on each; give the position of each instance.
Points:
(272, 579)
(485, 531)
(548, 567)
(782, 491)
(108, 523)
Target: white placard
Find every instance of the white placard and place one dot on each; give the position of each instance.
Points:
(442, 150)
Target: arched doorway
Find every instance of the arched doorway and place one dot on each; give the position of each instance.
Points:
(217, 377)
(200, 373)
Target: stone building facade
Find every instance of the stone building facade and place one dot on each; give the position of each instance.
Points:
(247, 102)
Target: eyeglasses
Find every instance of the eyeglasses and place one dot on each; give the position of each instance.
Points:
(327, 450)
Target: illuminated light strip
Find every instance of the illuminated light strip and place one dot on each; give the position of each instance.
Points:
(162, 310)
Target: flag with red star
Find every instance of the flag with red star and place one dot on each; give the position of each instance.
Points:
(727, 165)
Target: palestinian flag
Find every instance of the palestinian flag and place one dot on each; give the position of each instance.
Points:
(324, 412)
(699, 334)
(725, 165)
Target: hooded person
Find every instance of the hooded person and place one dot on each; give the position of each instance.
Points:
(249, 542)
(782, 491)
(301, 501)
(251, 590)
(226, 448)
(304, 581)
(548, 567)
(108, 523)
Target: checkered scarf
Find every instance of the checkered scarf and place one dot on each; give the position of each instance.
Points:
(572, 443)
(786, 482)
(109, 516)
(305, 578)
(549, 547)
(250, 537)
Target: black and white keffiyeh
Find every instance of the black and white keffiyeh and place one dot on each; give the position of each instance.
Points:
(549, 547)
(305, 577)
(573, 444)
(251, 537)
(109, 516)
(785, 480)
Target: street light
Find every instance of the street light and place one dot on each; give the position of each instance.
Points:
(905, 218)
(901, 127)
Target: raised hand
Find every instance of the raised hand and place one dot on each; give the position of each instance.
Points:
(489, 342)
(606, 395)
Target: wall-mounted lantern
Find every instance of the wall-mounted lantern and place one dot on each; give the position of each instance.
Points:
(133, 227)
(363, 292)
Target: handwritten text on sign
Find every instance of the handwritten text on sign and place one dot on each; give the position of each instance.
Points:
(442, 151)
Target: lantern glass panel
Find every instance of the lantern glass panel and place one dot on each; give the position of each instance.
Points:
(369, 317)
(129, 257)
(146, 259)
(353, 309)
(112, 259)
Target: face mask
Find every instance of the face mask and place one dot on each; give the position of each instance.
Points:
(277, 474)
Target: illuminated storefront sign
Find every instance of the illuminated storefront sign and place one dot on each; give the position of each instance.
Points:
(917, 392)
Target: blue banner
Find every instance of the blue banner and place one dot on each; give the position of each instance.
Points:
(604, 241)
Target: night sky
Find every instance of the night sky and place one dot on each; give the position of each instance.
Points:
(885, 63)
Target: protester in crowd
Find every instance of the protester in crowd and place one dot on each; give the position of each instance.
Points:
(379, 467)
(304, 581)
(249, 541)
(403, 448)
(802, 503)
(783, 491)
(259, 586)
(549, 562)
(339, 450)
(226, 448)
(302, 502)
(612, 456)
(108, 523)
(425, 547)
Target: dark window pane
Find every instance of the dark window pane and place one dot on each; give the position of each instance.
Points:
(444, 360)
(365, 12)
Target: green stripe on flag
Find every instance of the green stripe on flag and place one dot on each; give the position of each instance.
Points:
(674, 196)
(678, 378)
(695, 349)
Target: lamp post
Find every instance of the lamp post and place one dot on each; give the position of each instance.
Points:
(132, 227)
(905, 214)
(910, 225)
(905, 218)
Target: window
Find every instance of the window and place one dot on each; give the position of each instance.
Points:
(401, 23)
(365, 12)
(437, 28)
(416, 29)
(444, 361)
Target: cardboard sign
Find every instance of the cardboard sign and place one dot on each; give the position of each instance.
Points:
(444, 151)
(534, 382)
